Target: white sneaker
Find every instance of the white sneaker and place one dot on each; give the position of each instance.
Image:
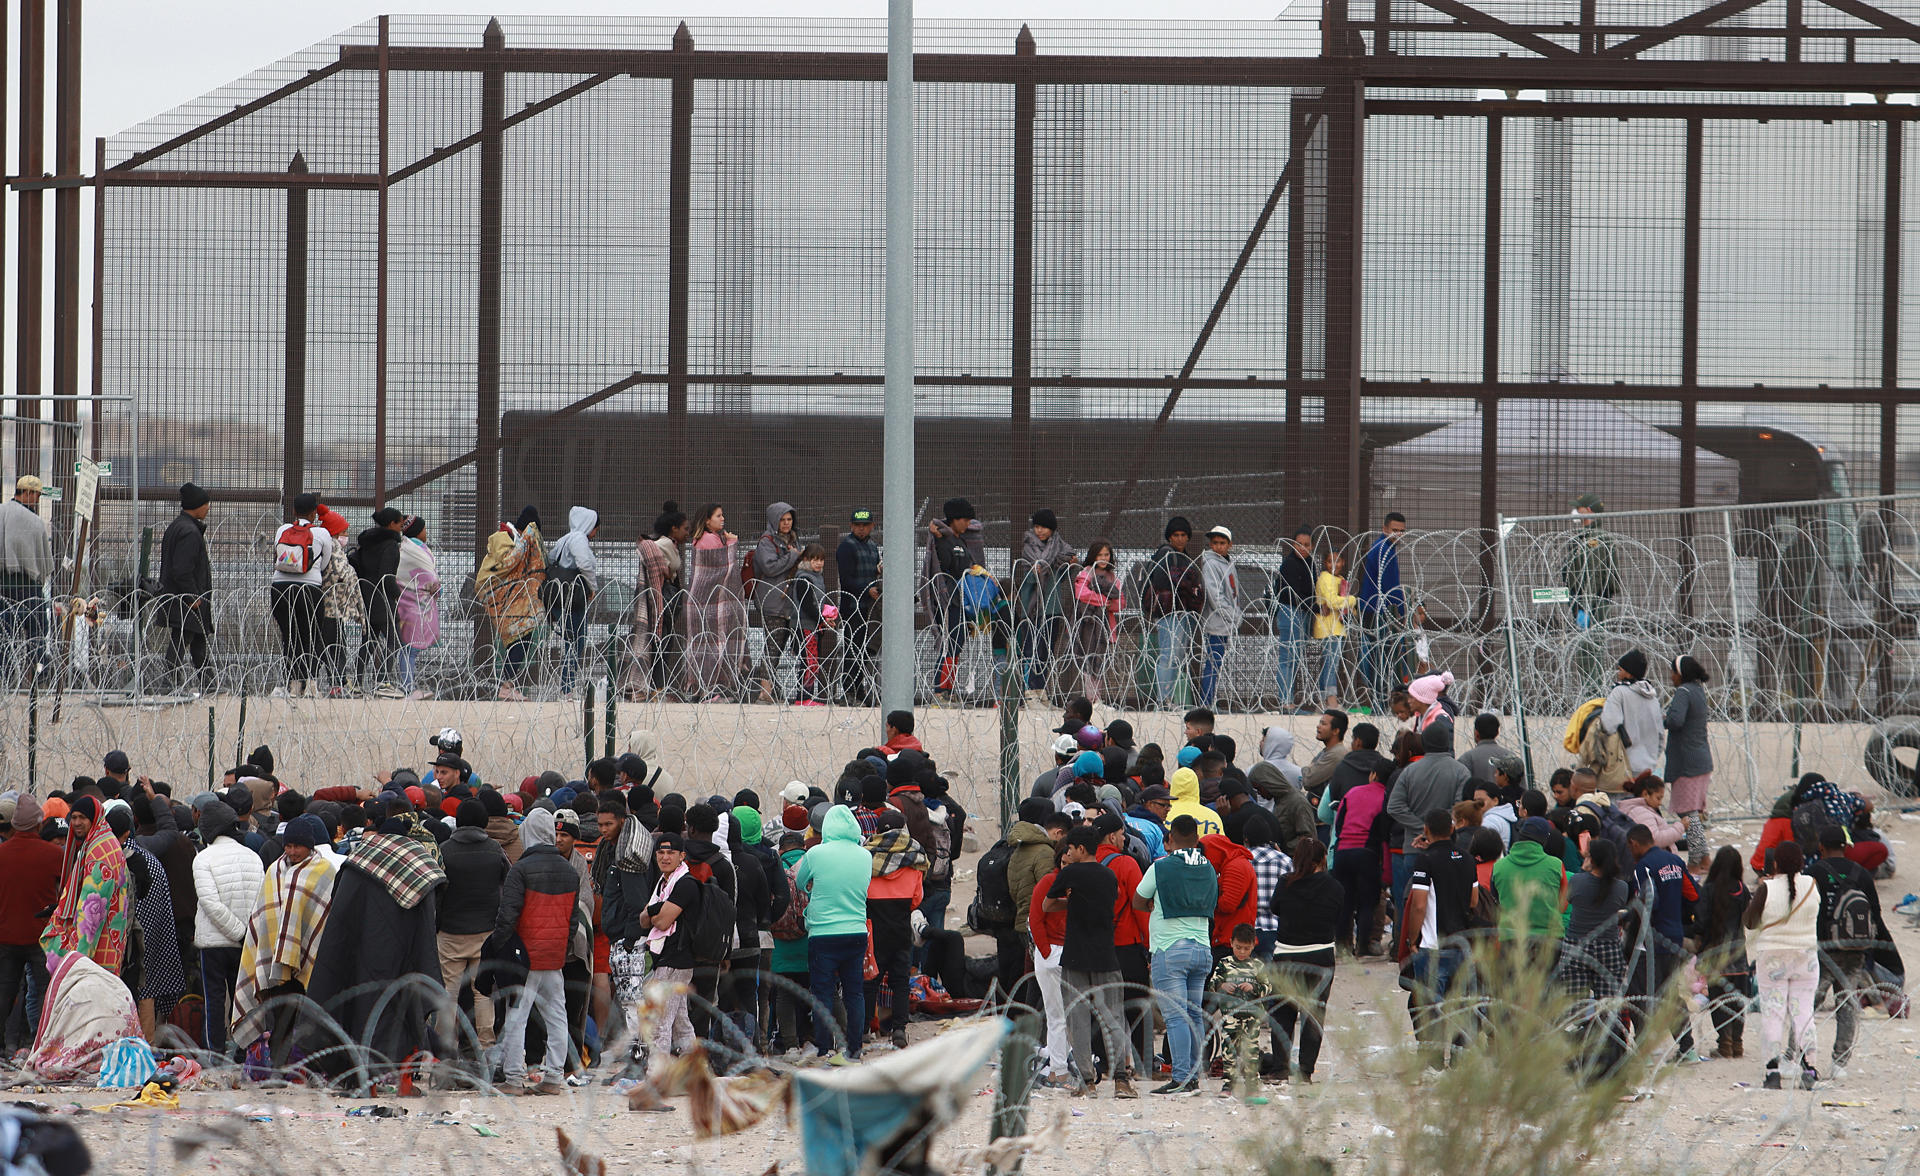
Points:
(1838, 1073)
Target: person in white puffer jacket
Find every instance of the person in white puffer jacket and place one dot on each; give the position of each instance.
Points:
(227, 880)
(1633, 710)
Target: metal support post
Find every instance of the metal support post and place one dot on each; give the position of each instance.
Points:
(29, 275)
(1501, 527)
(293, 426)
(66, 245)
(1737, 654)
(896, 592)
(1021, 452)
(679, 259)
(486, 468)
(380, 294)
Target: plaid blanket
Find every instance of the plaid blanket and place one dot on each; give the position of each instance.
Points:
(406, 868)
(284, 932)
(894, 849)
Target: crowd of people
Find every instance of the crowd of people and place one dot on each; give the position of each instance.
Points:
(1162, 909)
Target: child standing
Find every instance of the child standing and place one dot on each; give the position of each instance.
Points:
(1241, 983)
(817, 620)
(1097, 604)
(1333, 603)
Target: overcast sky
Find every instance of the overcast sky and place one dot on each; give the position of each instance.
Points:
(143, 58)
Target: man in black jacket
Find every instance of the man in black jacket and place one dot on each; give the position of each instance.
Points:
(377, 560)
(1172, 603)
(1293, 609)
(1358, 765)
(1851, 930)
(702, 824)
(476, 869)
(186, 588)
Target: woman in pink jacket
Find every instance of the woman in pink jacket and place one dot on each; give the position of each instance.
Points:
(1097, 603)
(1642, 807)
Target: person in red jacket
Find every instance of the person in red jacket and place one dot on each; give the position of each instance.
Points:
(29, 886)
(1129, 937)
(1049, 929)
(540, 902)
(1239, 889)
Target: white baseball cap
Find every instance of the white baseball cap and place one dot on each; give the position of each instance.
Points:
(1066, 745)
(795, 792)
(1222, 532)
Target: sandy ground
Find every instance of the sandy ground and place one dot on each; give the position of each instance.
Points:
(1712, 1117)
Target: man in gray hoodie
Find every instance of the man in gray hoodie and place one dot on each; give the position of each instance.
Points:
(775, 558)
(1633, 712)
(26, 560)
(1435, 780)
(1220, 616)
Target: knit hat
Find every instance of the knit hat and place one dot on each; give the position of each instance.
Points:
(1089, 764)
(1044, 517)
(515, 802)
(1177, 523)
(305, 829)
(26, 814)
(957, 508)
(1426, 691)
(192, 497)
(1534, 829)
(470, 814)
(491, 802)
(1633, 662)
(794, 816)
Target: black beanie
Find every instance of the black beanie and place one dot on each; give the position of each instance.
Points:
(1634, 662)
(1177, 523)
(470, 815)
(1044, 517)
(957, 508)
(192, 497)
(873, 792)
(492, 803)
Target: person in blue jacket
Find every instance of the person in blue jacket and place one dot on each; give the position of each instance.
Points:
(1383, 612)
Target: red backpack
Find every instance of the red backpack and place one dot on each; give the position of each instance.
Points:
(293, 550)
(792, 923)
(746, 576)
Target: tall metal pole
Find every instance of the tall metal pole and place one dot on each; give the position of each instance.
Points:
(66, 246)
(1737, 654)
(33, 140)
(896, 591)
(486, 470)
(1500, 528)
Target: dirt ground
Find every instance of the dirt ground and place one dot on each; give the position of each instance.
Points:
(1711, 1117)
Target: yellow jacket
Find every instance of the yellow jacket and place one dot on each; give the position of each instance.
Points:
(1327, 591)
(1184, 784)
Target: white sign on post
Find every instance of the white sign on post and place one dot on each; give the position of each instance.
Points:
(86, 483)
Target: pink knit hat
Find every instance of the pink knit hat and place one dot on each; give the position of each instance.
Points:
(1426, 691)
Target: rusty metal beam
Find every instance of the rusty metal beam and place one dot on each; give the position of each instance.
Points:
(486, 474)
(293, 420)
(237, 113)
(1877, 17)
(66, 244)
(30, 276)
(1569, 72)
(1287, 177)
(510, 121)
(1472, 20)
(279, 181)
(1691, 23)
(1730, 111)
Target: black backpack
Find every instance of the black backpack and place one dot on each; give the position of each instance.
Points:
(1614, 825)
(993, 908)
(1850, 923)
(714, 926)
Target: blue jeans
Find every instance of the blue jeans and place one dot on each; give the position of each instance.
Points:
(1173, 635)
(836, 962)
(1210, 668)
(573, 644)
(1402, 875)
(1290, 634)
(1380, 651)
(1179, 981)
(1330, 666)
(409, 656)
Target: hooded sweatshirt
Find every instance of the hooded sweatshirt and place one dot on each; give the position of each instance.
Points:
(1633, 708)
(1032, 860)
(834, 874)
(572, 549)
(774, 559)
(1528, 880)
(1185, 787)
(1355, 769)
(1434, 781)
(1221, 586)
(1238, 899)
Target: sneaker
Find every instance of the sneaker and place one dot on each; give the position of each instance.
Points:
(1808, 1076)
(388, 690)
(1226, 1089)
(1772, 1082)
(1838, 1073)
(579, 1078)
(899, 1039)
(1168, 1087)
(837, 1058)
(1123, 1086)
(1079, 1090)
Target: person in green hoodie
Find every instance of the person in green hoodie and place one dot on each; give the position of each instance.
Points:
(1531, 885)
(834, 876)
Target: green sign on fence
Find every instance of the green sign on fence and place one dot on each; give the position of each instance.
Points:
(1550, 596)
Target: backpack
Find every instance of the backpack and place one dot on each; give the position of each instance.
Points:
(1585, 713)
(747, 576)
(1809, 819)
(993, 907)
(293, 550)
(556, 591)
(792, 923)
(941, 851)
(978, 593)
(714, 926)
(1853, 928)
(1614, 825)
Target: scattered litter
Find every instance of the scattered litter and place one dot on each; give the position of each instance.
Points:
(1380, 1129)
(377, 1112)
(1832, 1102)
